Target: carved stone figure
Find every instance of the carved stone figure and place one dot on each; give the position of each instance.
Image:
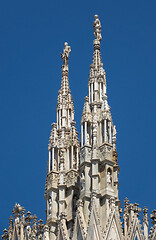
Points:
(97, 28)
(114, 131)
(65, 54)
(50, 205)
(109, 178)
(82, 181)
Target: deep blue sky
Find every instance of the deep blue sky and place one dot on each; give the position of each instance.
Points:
(32, 35)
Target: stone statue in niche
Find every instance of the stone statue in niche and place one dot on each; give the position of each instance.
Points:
(109, 178)
(114, 131)
(97, 28)
(82, 181)
(50, 205)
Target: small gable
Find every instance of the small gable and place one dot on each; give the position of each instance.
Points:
(113, 227)
(113, 231)
(94, 228)
(135, 231)
(78, 234)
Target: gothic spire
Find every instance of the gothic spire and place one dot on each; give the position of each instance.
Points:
(98, 141)
(97, 41)
(65, 107)
(97, 75)
(61, 182)
(60, 136)
(65, 69)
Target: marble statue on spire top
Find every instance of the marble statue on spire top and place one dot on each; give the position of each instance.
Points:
(97, 28)
(65, 54)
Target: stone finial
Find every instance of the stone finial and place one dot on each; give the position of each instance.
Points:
(28, 218)
(23, 216)
(22, 211)
(34, 227)
(34, 220)
(97, 28)
(65, 55)
(145, 216)
(5, 235)
(17, 209)
(137, 209)
(126, 201)
(11, 223)
(131, 207)
(40, 227)
(153, 217)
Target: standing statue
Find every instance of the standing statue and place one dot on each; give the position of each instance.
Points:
(109, 178)
(114, 131)
(65, 54)
(50, 205)
(82, 181)
(97, 28)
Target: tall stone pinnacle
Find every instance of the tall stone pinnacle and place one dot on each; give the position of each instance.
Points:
(61, 183)
(98, 157)
(65, 69)
(65, 106)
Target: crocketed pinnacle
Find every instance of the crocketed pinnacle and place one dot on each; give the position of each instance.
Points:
(65, 107)
(97, 75)
(65, 69)
(97, 33)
